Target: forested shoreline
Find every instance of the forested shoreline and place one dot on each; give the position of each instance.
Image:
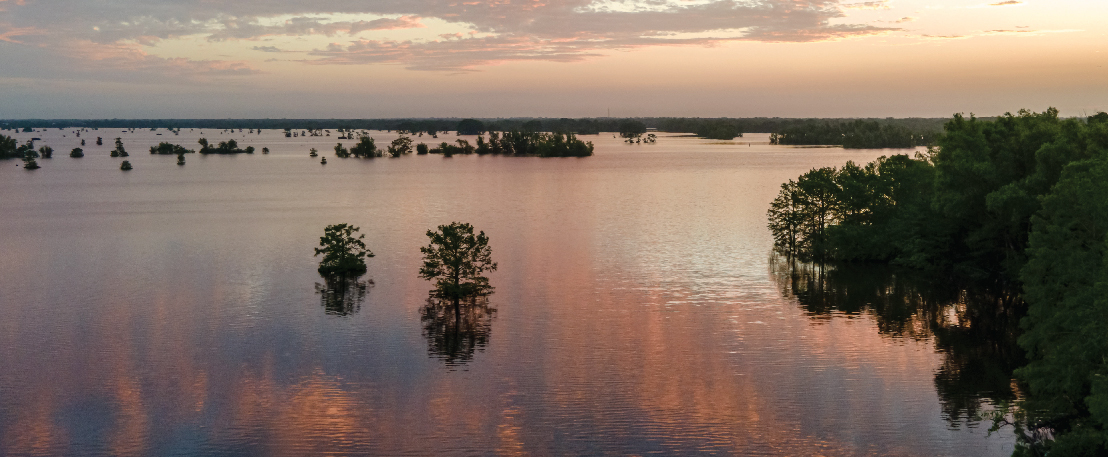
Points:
(1020, 202)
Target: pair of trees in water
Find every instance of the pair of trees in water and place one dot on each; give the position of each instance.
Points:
(1022, 201)
(455, 259)
(456, 319)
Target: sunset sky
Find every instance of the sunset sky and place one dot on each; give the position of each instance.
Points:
(571, 58)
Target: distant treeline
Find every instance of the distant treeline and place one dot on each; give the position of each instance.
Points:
(1022, 201)
(581, 126)
(858, 134)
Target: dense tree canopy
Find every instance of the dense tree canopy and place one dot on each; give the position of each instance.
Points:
(1021, 200)
(224, 147)
(1066, 286)
(470, 127)
(169, 148)
(344, 253)
(858, 134)
(456, 259)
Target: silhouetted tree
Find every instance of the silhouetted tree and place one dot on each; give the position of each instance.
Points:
(470, 127)
(119, 150)
(400, 146)
(366, 148)
(343, 254)
(455, 259)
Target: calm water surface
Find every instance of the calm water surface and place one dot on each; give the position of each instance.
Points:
(176, 310)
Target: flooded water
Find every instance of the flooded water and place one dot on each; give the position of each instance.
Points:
(176, 310)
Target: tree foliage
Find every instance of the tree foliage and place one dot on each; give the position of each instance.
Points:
(456, 259)
(400, 146)
(858, 134)
(8, 147)
(1019, 200)
(224, 147)
(366, 148)
(631, 129)
(119, 150)
(470, 127)
(169, 148)
(344, 253)
(521, 143)
(1066, 287)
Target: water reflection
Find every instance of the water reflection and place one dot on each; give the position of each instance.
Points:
(342, 296)
(455, 330)
(974, 327)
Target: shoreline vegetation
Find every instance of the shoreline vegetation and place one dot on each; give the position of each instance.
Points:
(1019, 203)
(847, 132)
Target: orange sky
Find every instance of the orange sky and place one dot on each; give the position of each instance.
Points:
(339, 58)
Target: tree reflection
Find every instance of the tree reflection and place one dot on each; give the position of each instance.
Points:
(974, 327)
(456, 329)
(341, 296)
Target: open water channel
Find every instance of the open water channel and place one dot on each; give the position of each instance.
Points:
(175, 310)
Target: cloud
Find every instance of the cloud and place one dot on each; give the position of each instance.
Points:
(465, 35)
(874, 5)
(1006, 3)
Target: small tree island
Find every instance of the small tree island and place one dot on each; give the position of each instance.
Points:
(455, 260)
(343, 254)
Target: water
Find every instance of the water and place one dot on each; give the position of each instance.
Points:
(176, 310)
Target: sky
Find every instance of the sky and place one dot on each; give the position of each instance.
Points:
(550, 58)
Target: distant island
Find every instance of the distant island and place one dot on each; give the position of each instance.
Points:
(847, 132)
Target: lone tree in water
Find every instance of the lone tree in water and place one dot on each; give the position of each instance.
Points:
(343, 254)
(455, 260)
(119, 151)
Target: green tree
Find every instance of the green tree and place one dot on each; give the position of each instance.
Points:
(1066, 288)
(46, 152)
(119, 150)
(8, 147)
(341, 152)
(343, 253)
(400, 146)
(631, 129)
(366, 148)
(455, 259)
(470, 127)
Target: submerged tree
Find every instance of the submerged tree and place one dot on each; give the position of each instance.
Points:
(126, 165)
(455, 259)
(400, 146)
(119, 150)
(343, 254)
(77, 153)
(340, 151)
(366, 148)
